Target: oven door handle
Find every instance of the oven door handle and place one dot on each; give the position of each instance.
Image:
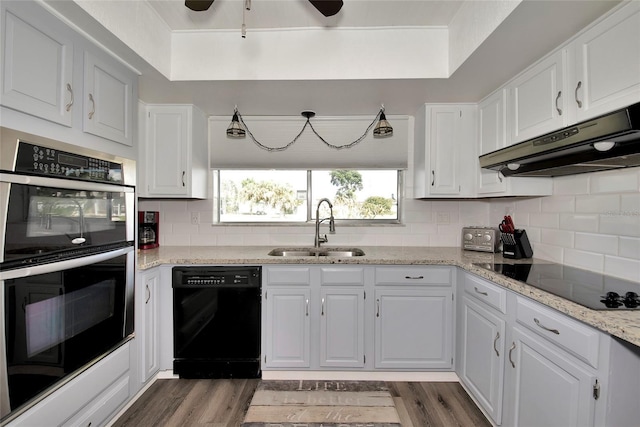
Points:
(63, 183)
(63, 265)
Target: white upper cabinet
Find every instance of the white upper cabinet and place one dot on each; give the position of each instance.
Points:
(537, 99)
(595, 73)
(606, 75)
(37, 69)
(442, 134)
(174, 159)
(108, 99)
(492, 135)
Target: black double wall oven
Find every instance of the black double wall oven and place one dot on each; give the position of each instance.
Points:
(67, 264)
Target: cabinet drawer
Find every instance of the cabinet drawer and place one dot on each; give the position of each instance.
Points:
(104, 406)
(288, 275)
(575, 337)
(486, 292)
(342, 276)
(413, 276)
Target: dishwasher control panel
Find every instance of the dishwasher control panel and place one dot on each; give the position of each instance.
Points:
(216, 276)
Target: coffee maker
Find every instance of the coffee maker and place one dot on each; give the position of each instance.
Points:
(148, 224)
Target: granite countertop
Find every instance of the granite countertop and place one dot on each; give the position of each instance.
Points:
(623, 324)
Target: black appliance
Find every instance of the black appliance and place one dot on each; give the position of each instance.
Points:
(216, 322)
(592, 290)
(611, 141)
(67, 264)
(148, 230)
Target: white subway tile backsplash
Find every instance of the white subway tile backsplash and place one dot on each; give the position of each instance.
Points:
(544, 220)
(579, 222)
(534, 234)
(175, 240)
(599, 243)
(624, 268)
(583, 259)
(620, 225)
(559, 204)
(629, 247)
(444, 239)
(204, 240)
(574, 184)
(529, 205)
(615, 181)
(597, 203)
(556, 237)
(630, 204)
(174, 205)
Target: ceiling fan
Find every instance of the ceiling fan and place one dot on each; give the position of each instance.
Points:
(326, 7)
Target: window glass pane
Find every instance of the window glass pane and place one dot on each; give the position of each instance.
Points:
(263, 195)
(357, 194)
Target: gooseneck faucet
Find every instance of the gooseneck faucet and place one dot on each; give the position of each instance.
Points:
(332, 226)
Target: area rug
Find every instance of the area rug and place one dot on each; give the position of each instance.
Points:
(322, 404)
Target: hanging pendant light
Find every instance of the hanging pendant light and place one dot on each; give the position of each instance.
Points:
(383, 128)
(235, 129)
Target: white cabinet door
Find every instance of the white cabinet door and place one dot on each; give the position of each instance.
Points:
(342, 327)
(444, 151)
(413, 328)
(492, 134)
(607, 64)
(546, 388)
(150, 282)
(537, 99)
(482, 360)
(174, 158)
(37, 54)
(108, 100)
(288, 327)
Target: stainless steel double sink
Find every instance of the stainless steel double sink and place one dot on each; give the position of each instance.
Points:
(316, 252)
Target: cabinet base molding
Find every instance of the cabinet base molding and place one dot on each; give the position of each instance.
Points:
(361, 376)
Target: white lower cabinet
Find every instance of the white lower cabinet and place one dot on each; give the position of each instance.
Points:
(526, 364)
(288, 327)
(544, 386)
(147, 324)
(342, 327)
(482, 355)
(356, 317)
(413, 329)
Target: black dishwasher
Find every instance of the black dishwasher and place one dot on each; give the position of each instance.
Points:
(216, 322)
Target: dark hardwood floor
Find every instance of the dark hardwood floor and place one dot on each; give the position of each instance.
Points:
(223, 403)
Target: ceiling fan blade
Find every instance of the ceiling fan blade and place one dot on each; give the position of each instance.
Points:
(198, 5)
(327, 7)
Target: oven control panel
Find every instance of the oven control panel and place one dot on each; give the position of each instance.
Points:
(37, 160)
(483, 239)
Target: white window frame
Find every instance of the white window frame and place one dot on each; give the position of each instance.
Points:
(310, 208)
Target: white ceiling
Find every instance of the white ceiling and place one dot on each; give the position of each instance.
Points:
(227, 14)
(533, 29)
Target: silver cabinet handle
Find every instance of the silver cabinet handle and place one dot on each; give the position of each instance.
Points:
(475, 288)
(578, 88)
(378, 308)
(558, 98)
(495, 341)
(306, 310)
(513, 346)
(414, 277)
(68, 106)
(555, 331)
(93, 107)
(433, 178)
(148, 295)
(500, 176)
(183, 172)
(322, 307)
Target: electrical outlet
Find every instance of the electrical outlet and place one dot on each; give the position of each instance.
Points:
(195, 218)
(442, 218)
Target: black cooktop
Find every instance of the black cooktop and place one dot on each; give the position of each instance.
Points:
(593, 290)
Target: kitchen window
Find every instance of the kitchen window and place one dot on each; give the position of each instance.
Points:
(291, 196)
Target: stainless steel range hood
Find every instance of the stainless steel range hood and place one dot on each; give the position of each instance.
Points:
(611, 141)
